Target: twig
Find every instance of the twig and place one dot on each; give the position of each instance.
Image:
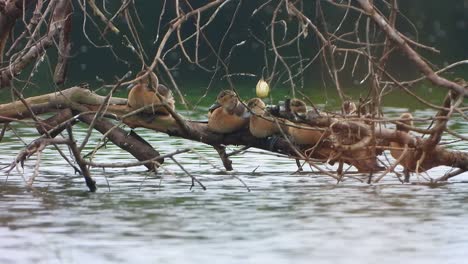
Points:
(84, 169)
(224, 157)
(194, 179)
(100, 110)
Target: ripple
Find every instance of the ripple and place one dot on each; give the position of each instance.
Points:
(287, 217)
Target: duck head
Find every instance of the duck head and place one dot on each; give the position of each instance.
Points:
(298, 108)
(226, 99)
(348, 108)
(256, 106)
(407, 120)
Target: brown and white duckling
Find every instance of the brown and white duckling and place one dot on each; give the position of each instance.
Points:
(348, 108)
(302, 134)
(227, 115)
(144, 94)
(261, 123)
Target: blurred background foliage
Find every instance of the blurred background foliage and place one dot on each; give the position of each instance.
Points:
(441, 24)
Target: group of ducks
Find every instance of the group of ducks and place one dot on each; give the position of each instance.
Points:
(149, 92)
(229, 114)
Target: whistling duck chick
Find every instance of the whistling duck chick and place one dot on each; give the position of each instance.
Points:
(300, 133)
(261, 123)
(407, 119)
(227, 114)
(143, 94)
(397, 148)
(348, 108)
(298, 109)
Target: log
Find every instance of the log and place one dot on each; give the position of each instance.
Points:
(82, 100)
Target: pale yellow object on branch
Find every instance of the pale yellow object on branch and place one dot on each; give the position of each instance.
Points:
(262, 89)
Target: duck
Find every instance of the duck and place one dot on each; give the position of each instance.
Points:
(143, 94)
(301, 134)
(348, 108)
(261, 123)
(298, 109)
(397, 148)
(227, 115)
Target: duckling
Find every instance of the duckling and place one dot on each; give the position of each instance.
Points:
(302, 134)
(297, 109)
(261, 123)
(143, 94)
(348, 108)
(397, 148)
(227, 115)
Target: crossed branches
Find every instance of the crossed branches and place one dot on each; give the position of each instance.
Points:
(289, 28)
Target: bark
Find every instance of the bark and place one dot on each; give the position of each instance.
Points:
(61, 24)
(130, 142)
(10, 11)
(63, 15)
(354, 152)
(54, 121)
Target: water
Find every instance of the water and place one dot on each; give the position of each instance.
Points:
(135, 217)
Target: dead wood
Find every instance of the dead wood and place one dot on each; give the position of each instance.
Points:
(356, 138)
(10, 11)
(330, 150)
(130, 142)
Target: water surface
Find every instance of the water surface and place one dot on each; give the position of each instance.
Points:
(136, 217)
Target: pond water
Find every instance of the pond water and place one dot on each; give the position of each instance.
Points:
(136, 217)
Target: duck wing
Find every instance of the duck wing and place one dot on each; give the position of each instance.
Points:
(167, 94)
(241, 110)
(164, 91)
